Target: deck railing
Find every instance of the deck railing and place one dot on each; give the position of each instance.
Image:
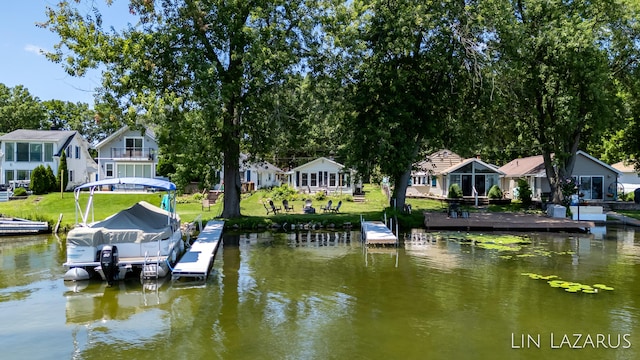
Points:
(133, 153)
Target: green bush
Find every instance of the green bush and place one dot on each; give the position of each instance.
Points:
(454, 192)
(319, 196)
(495, 192)
(20, 191)
(39, 181)
(524, 192)
(283, 192)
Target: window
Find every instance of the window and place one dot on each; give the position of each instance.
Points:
(9, 175)
(9, 149)
(332, 179)
(23, 174)
(77, 150)
(434, 181)
(22, 152)
(133, 146)
(109, 170)
(48, 152)
(35, 152)
(70, 175)
(314, 179)
(305, 180)
(137, 170)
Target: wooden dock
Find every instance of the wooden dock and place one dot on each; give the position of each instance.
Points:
(486, 221)
(377, 233)
(197, 261)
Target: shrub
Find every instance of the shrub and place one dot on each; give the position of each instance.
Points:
(52, 179)
(454, 192)
(495, 192)
(524, 192)
(319, 196)
(39, 181)
(20, 191)
(283, 192)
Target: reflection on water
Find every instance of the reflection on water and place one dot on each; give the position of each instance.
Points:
(308, 295)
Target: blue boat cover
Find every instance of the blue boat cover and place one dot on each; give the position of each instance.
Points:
(153, 183)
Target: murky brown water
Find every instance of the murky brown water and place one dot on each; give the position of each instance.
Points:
(324, 296)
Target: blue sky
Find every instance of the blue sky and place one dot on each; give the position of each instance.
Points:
(21, 62)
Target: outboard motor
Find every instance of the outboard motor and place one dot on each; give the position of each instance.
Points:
(109, 263)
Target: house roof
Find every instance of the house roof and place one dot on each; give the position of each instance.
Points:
(439, 161)
(528, 166)
(322, 158)
(121, 131)
(534, 165)
(38, 135)
(625, 167)
(469, 161)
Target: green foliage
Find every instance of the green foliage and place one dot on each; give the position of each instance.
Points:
(40, 181)
(495, 192)
(19, 191)
(19, 109)
(454, 192)
(283, 192)
(524, 192)
(51, 179)
(63, 175)
(319, 196)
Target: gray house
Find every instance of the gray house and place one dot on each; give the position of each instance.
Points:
(598, 180)
(128, 153)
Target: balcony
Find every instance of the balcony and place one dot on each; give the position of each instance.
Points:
(140, 154)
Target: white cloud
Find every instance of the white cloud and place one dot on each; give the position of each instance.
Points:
(35, 49)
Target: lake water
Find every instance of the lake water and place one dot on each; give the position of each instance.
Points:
(325, 296)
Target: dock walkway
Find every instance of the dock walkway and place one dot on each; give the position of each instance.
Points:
(197, 261)
(377, 233)
(480, 221)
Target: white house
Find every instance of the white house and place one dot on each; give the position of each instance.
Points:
(126, 153)
(260, 174)
(322, 174)
(22, 151)
(629, 179)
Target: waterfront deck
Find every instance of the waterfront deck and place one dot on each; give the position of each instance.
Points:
(485, 221)
(377, 233)
(197, 261)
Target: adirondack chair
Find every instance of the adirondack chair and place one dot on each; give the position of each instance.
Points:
(269, 210)
(337, 208)
(327, 207)
(274, 209)
(286, 206)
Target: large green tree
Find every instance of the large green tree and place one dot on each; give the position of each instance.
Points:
(220, 59)
(556, 62)
(409, 67)
(19, 109)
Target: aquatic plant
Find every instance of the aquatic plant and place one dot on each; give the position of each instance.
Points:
(569, 286)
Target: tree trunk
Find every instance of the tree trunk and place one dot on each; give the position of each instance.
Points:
(400, 189)
(231, 153)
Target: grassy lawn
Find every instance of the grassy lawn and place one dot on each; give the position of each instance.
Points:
(49, 207)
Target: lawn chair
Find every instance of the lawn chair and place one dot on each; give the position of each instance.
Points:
(285, 205)
(269, 210)
(337, 208)
(274, 209)
(328, 207)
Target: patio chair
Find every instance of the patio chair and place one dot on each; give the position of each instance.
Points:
(327, 207)
(337, 208)
(273, 207)
(286, 206)
(269, 210)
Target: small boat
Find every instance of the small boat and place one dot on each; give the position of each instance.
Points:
(143, 240)
(18, 226)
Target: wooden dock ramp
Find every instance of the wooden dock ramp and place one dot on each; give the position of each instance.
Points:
(197, 261)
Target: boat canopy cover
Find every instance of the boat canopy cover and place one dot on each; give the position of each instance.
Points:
(154, 183)
(140, 223)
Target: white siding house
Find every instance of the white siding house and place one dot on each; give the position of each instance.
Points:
(22, 151)
(128, 153)
(322, 174)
